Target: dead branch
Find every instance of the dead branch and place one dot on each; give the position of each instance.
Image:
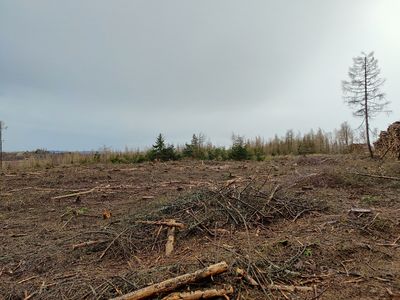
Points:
(27, 297)
(75, 194)
(272, 195)
(27, 279)
(170, 223)
(394, 244)
(290, 288)
(377, 176)
(173, 283)
(112, 242)
(360, 210)
(88, 243)
(370, 223)
(195, 295)
(246, 276)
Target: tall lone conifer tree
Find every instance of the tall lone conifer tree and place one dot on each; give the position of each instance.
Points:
(363, 91)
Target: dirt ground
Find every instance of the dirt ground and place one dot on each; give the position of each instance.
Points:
(286, 221)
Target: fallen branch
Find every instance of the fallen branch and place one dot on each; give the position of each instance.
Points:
(394, 244)
(195, 295)
(170, 223)
(359, 210)
(246, 276)
(27, 279)
(112, 242)
(377, 176)
(18, 235)
(88, 243)
(173, 283)
(370, 223)
(75, 194)
(272, 195)
(27, 297)
(290, 288)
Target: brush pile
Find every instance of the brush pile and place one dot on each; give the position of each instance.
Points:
(208, 212)
(388, 144)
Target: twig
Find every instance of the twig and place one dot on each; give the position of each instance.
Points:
(75, 194)
(360, 210)
(64, 276)
(377, 176)
(88, 243)
(65, 224)
(170, 223)
(344, 267)
(272, 195)
(30, 296)
(300, 213)
(290, 288)
(394, 244)
(27, 279)
(18, 235)
(112, 242)
(199, 223)
(370, 223)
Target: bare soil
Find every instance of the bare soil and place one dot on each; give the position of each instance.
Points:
(285, 221)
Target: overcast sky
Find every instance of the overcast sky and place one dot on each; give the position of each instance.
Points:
(80, 74)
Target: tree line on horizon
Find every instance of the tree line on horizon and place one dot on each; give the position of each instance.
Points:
(341, 141)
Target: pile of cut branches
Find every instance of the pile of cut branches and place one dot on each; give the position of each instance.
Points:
(206, 212)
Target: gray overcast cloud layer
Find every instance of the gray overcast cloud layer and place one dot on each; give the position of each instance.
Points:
(76, 75)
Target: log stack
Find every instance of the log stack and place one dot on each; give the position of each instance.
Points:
(388, 144)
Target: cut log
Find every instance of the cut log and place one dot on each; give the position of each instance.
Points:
(169, 246)
(173, 283)
(170, 223)
(195, 295)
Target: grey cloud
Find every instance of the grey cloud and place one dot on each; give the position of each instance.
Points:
(80, 74)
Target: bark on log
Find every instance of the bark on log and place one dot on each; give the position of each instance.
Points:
(173, 283)
(195, 295)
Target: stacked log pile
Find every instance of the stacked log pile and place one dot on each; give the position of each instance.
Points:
(388, 144)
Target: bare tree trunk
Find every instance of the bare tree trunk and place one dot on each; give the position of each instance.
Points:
(366, 109)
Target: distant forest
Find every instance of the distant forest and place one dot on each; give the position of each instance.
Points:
(341, 141)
